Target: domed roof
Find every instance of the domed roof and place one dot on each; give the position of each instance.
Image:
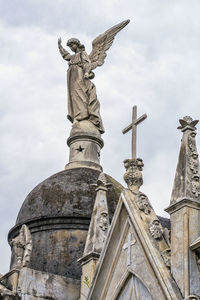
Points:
(67, 193)
(58, 213)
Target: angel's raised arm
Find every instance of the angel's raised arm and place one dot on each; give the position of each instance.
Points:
(65, 54)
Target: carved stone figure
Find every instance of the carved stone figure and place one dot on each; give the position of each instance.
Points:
(22, 247)
(193, 161)
(82, 99)
(143, 203)
(21, 250)
(196, 185)
(156, 229)
(166, 255)
(103, 221)
(133, 175)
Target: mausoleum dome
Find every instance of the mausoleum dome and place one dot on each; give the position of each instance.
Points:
(58, 212)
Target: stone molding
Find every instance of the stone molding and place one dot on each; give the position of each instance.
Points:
(85, 137)
(55, 223)
(184, 202)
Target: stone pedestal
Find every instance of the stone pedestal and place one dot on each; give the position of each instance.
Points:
(85, 144)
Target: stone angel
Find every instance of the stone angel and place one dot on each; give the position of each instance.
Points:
(82, 99)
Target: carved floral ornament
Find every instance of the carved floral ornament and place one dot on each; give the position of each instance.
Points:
(133, 175)
(194, 164)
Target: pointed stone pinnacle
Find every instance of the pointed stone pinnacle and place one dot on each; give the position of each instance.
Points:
(187, 179)
(102, 182)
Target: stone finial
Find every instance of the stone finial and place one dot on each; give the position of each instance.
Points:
(187, 123)
(133, 176)
(102, 182)
(187, 179)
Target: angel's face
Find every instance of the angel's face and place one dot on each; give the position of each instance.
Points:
(73, 47)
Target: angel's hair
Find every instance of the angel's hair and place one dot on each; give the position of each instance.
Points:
(77, 42)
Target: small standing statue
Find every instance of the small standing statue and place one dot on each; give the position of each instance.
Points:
(21, 248)
(21, 251)
(82, 99)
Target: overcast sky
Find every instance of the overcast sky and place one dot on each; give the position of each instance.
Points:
(154, 63)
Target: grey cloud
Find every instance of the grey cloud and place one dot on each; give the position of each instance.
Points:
(153, 63)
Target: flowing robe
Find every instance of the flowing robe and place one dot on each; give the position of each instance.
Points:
(82, 99)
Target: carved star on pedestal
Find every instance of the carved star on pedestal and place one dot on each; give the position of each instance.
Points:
(80, 149)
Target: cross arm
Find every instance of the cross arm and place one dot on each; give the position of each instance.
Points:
(138, 121)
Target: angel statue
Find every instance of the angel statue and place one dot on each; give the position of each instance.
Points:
(82, 99)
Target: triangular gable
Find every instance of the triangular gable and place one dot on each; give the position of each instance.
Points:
(142, 260)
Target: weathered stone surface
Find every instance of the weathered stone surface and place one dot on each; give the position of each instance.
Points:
(58, 213)
(67, 193)
(40, 285)
(6, 294)
(187, 182)
(133, 176)
(184, 212)
(96, 236)
(131, 262)
(85, 144)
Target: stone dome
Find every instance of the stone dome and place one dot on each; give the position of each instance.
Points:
(58, 213)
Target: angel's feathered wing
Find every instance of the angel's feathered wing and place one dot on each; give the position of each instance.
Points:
(102, 43)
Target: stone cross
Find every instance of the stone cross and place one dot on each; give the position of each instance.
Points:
(128, 247)
(133, 126)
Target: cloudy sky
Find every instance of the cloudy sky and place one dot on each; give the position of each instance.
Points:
(154, 63)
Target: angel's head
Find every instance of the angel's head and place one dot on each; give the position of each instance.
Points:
(74, 44)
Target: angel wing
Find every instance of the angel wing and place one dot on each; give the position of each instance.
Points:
(102, 43)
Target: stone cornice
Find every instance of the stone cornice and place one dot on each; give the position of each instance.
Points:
(181, 203)
(48, 223)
